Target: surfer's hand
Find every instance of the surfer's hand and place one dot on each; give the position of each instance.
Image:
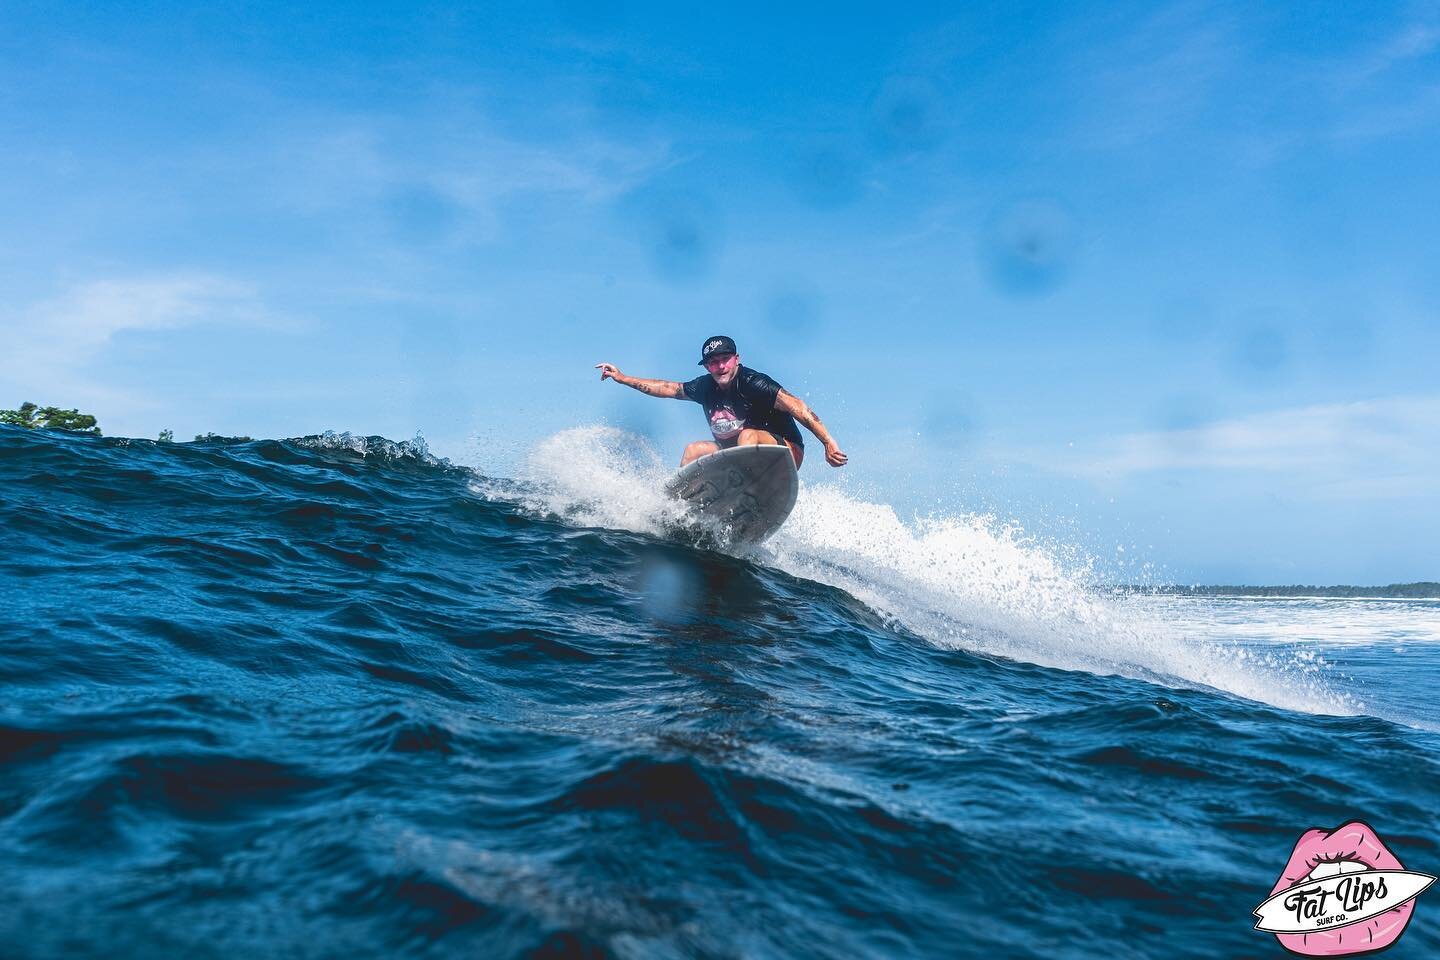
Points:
(608, 371)
(835, 456)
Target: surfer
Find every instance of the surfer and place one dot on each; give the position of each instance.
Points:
(743, 406)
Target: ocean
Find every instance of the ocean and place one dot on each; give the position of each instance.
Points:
(335, 697)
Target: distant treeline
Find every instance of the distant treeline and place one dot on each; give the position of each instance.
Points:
(1422, 589)
(34, 417)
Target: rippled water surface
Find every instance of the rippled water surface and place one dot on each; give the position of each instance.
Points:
(333, 697)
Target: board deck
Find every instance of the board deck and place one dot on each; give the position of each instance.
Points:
(745, 493)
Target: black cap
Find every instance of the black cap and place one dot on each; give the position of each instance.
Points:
(716, 345)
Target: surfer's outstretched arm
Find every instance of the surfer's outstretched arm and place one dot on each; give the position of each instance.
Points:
(654, 388)
(798, 409)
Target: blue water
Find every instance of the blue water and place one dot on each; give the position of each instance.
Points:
(332, 697)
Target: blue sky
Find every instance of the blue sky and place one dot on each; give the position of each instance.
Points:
(1159, 277)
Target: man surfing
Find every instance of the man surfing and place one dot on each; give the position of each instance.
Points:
(743, 406)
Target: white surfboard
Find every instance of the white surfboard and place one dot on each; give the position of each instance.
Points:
(743, 494)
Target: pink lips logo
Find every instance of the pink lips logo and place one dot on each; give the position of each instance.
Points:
(1343, 892)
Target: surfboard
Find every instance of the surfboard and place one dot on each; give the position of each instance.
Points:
(742, 494)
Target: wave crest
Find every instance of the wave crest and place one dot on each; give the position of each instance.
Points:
(963, 580)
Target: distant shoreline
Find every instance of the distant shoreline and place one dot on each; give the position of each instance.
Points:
(1423, 590)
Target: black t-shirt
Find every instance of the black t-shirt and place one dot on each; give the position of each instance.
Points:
(749, 401)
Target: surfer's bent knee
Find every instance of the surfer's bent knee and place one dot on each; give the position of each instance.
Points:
(750, 436)
(697, 450)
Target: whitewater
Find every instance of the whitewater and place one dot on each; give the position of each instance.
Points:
(331, 694)
(964, 581)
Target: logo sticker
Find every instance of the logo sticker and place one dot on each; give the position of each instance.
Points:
(1343, 892)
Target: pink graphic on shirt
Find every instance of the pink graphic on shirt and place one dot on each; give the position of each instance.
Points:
(724, 424)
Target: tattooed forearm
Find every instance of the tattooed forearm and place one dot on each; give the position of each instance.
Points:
(811, 420)
(652, 388)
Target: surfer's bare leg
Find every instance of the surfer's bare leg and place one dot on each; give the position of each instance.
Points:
(752, 437)
(697, 450)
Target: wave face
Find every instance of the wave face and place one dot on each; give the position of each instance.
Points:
(332, 696)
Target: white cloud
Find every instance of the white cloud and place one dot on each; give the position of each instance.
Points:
(1157, 76)
(1188, 67)
(1417, 108)
(52, 344)
(1372, 101)
(1386, 446)
(363, 163)
(1411, 42)
(81, 321)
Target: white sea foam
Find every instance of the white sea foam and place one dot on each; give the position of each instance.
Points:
(972, 582)
(1332, 623)
(963, 581)
(594, 476)
(370, 447)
